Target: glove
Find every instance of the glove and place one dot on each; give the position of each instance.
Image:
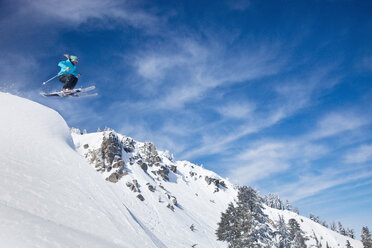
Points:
(67, 56)
(79, 75)
(67, 68)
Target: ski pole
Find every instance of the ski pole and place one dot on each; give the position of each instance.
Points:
(50, 79)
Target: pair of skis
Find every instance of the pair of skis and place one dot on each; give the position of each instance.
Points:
(72, 93)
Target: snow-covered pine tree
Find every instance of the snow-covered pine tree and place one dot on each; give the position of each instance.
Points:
(245, 225)
(348, 245)
(311, 217)
(333, 226)
(350, 233)
(366, 238)
(297, 236)
(318, 244)
(282, 234)
(296, 210)
(288, 206)
(341, 229)
(228, 227)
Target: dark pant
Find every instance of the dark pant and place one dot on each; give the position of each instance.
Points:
(69, 81)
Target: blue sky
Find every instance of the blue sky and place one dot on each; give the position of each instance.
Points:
(273, 94)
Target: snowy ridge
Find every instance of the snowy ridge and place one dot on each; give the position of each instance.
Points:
(53, 196)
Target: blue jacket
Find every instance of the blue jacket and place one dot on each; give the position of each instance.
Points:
(64, 65)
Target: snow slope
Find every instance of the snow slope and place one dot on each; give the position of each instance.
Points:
(51, 194)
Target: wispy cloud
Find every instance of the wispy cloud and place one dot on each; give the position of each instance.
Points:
(311, 184)
(273, 157)
(338, 122)
(298, 155)
(77, 12)
(236, 110)
(291, 96)
(196, 67)
(359, 155)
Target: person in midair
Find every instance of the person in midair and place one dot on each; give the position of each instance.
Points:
(68, 75)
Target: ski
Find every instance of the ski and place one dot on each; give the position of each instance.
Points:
(69, 93)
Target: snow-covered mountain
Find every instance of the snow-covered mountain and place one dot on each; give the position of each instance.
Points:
(61, 188)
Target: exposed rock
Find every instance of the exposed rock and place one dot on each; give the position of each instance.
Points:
(216, 182)
(135, 182)
(150, 154)
(192, 227)
(174, 200)
(114, 177)
(128, 144)
(192, 173)
(133, 186)
(163, 172)
(208, 180)
(144, 167)
(171, 207)
(139, 196)
(161, 186)
(131, 160)
(173, 168)
(222, 183)
(151, 188)
(108, 158)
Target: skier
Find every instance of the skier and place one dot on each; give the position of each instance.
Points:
(68, 75)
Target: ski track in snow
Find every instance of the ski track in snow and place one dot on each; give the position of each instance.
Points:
(55, 235)
(154, 239)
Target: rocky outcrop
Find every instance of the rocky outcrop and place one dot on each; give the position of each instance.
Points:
(216, 182)
(108, 158)
(133, 186)
(128, 145)
(163, 172)
(171, 207)
(150, 155)
(173, 168)
(140, 197)
(150, 187)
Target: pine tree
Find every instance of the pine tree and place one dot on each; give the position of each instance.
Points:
(318, 244)
(282, 234)
(228, 228)
(366, 238)
(333, 226)
(348, 245)
(245, 225)
(341, 229)
(297, 236)
(350, 233)
(288, 206)
(311, 217)
(296, 210)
